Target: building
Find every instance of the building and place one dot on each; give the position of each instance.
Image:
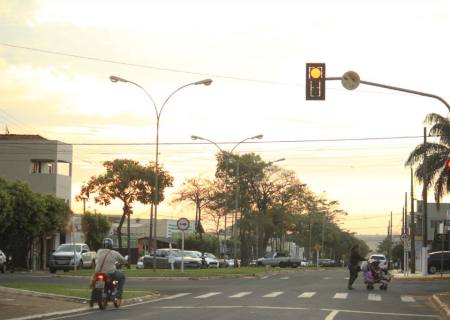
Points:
(46, 166)
(435, 216)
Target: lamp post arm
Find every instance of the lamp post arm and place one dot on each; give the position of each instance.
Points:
(171, 95)
(420, 93)
(148, 95)
(231, 152)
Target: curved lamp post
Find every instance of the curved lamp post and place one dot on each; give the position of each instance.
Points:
(205, 82)
(259, 136)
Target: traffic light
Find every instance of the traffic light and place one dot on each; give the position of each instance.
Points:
(315, 81)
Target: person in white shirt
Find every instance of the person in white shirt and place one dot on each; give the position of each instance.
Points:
(106, 263)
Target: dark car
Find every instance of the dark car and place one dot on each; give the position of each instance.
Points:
(438, 258)
(328, 263)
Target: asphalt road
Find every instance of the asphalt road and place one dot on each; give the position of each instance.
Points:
(300, 295)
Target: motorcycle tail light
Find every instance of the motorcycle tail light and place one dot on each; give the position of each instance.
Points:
(100, 277)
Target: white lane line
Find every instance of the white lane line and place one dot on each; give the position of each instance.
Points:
(207, 295)
(234, 307)
(241, 294)
(332, 315)
(340, 295)
(386, 313)
(307, 294)
(346, 278)
(284, 278)
(407, 299)
(374, 297)
(178, 295)
(326, 278)
(273, 294)
(265, 277)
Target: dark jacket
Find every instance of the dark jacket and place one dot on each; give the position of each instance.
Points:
(355, 257)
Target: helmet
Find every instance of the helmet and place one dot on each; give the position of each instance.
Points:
(107, 243)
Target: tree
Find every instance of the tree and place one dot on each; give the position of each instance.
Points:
(199, 191)
(127, 181)
(95, 228)
(434, 170)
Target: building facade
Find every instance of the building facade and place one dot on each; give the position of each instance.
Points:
(46, 166)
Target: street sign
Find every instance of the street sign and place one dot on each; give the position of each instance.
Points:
(317, 247)
(183, 224)
(404, 237)
(350, 80)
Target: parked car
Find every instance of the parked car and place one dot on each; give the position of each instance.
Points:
(306, 263)
(190, 259)
(68, 255)
(140, 263)
(228, 262)
(327, 263)
(161, 258)
(381, 258)
(278, 259)
(2, 262)
(211, 260)
(435, 259)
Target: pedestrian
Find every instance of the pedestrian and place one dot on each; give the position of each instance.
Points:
(353, 265)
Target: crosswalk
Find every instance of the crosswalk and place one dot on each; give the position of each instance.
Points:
(302, 296)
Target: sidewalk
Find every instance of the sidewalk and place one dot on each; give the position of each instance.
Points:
(440, 300)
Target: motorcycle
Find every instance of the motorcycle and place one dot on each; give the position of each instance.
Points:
(104, 289)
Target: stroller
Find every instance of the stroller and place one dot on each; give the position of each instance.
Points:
(373, 274)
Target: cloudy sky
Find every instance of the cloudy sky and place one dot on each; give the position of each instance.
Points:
(56, 58)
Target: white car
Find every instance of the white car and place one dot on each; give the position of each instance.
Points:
(2, 262)
(211, 260)
(381, 258)
(140, 263)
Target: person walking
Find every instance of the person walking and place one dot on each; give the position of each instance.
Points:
(353, 265)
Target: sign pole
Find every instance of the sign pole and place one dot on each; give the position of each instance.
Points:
(182, 251)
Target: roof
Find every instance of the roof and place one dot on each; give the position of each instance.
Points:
(19, 137)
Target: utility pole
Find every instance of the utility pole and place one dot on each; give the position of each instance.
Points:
(425, 209)
(412, 228)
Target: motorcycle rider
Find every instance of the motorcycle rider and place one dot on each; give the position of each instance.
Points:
(106, 263)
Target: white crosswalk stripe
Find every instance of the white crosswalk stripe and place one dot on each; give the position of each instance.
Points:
(340, 295)
(407, 299)
(207, 295)
(273, 294)
(307, 294)
(241, 294)
(374, 297)
(284, 278)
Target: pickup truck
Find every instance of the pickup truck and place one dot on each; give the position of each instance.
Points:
(63, 257)
(278, 259)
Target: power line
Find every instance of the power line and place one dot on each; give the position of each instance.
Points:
(137, 65)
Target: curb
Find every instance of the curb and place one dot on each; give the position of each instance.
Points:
(441, 305)
(43, 295)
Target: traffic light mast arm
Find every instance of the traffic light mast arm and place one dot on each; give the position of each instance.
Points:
(398, 89)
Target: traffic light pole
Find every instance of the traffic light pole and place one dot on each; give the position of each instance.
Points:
(350, 80)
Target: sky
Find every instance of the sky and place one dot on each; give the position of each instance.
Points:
(56, 58)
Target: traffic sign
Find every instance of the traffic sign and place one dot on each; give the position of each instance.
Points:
(404, 237)
(317, 247)
(183, 224)
(350, 80)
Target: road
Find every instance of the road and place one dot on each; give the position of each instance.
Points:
(300, 295)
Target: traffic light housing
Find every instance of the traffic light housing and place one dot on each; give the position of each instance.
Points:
(315, 81)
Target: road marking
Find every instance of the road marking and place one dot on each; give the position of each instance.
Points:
(241, 294)
(307, 294)
(346, 278)
(273, 294)
(178, 295)
(233, 307)
(341, 295)
(207, 295)
(284, 278)
(407, 299)
(386, 313)
(326, 278)
(265, 277)
(332, 315)
(374, 297)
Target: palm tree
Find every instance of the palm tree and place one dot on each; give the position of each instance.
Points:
(435, 170)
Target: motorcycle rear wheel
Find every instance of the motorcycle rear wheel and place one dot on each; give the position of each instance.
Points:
(102, 300)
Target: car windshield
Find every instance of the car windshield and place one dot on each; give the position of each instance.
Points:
(378, 258)
(68, 248)
(191, 254)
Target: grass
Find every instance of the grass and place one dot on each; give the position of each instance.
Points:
(79, 291)
(190, 273)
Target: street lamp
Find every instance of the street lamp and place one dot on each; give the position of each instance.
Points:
(205, 82)
(259, 136)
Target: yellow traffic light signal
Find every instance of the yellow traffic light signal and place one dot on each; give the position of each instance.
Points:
(315, 81)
